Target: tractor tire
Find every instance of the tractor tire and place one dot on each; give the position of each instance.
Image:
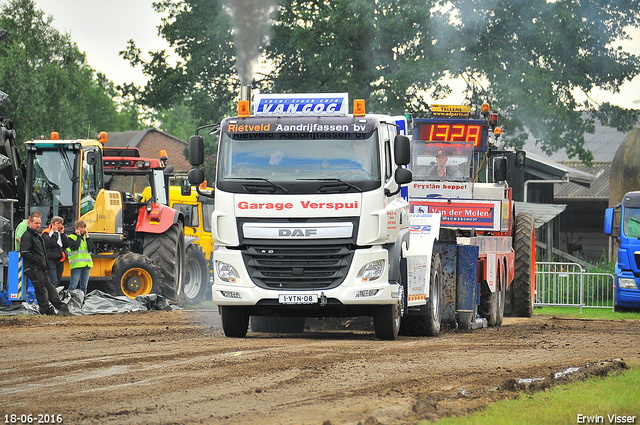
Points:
(492, 305)
(134, 274)
(196, 276)
(524, 282)
(167, 250)
(235, 321)
(277, 325)
(430, 324)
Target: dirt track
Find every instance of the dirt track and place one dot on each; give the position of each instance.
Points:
(177, 367)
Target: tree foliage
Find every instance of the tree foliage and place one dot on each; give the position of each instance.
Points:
(50, 85)
(534, 54)
(527, 57)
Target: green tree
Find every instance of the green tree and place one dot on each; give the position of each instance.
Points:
(50, 85)
(524, 56)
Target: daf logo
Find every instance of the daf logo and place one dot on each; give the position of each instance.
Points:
(303, 233)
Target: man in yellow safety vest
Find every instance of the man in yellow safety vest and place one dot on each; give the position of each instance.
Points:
(80, 263)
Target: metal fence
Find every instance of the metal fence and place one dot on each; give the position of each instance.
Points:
(568, 285)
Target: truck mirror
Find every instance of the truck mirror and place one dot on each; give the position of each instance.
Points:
(196, 150)
(521, 157)
(403, 176)
(608, 221)
(402, 150)
(499, 169)
(195, 176)
(185, 188)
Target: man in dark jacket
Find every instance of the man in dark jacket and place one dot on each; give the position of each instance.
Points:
(35, 264)
(55, 242)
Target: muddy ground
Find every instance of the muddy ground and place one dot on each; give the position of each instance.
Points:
(178, 368)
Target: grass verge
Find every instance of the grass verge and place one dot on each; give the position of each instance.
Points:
(587, 313)
(596, 398)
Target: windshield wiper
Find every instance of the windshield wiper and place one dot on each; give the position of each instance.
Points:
(284, 189)
(334, 179)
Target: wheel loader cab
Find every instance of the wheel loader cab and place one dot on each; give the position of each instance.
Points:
(65, 179)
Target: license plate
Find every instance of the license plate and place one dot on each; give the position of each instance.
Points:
(298, 299)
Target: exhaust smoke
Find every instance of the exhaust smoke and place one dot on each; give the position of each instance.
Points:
(251, 21)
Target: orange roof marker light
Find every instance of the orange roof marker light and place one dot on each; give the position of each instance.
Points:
(54, 135)
(358, 108)
(102, 137)
(163, 155)
(485, 109)
(497, 131)
(243, 109)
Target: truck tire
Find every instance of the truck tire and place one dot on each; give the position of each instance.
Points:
(167, 250)
(428, 325)
(524, 282)
(196, 276)
(282, 325)
(492, 305)
(235, 321)
(134, 274)
(386, 321)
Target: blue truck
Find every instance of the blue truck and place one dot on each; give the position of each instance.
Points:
(623, 222)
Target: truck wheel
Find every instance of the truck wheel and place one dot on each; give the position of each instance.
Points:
(282, 325)
(386, 321)
(167, 250)
(427, 325)
(235, 321)
(134, 274)
(492, 305)
(196, 276)
(524, 282)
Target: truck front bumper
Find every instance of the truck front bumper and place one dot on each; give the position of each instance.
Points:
(352, 292)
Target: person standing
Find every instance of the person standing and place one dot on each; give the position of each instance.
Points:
(34, 256)
(80, 263)
(22, 227)
(56, 242)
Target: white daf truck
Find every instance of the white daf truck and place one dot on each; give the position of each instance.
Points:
(309, 222)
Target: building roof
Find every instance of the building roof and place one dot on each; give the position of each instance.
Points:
(542, 213)
(599, 189)
(132, 139)
(547, 169)
(603, 144)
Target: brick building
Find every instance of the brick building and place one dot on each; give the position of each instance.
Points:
(150, 142)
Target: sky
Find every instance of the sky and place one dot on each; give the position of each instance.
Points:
(102, 29)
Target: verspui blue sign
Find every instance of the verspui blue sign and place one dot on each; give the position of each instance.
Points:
(326, 104)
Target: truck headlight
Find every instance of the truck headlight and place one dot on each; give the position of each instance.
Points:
(625, 282)
(371, 271)
(226, 272)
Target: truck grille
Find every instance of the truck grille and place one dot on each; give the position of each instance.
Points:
(303, 267)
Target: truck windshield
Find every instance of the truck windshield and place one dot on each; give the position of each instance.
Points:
(632, 222)
(441, 161)
(291, 160)
(52, 188)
